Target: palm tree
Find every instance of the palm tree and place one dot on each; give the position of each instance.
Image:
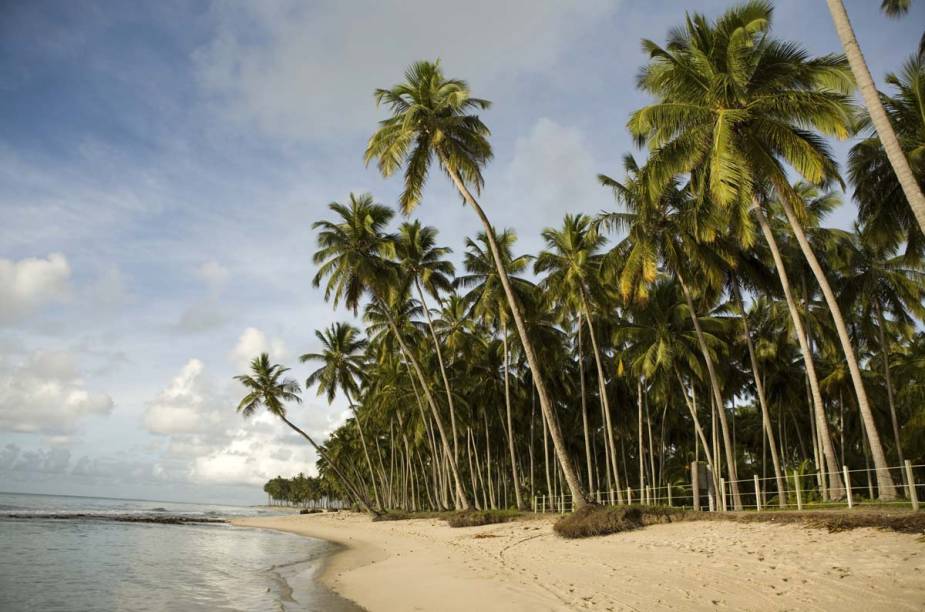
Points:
(573, 266)
(268, 388)
(425, 265)
(488, 302)
(351, 258)
(737, 139)
(883, 209)
(875, 107)
(342, 369)
(432, 116)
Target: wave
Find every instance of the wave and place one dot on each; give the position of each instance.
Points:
(164, 519)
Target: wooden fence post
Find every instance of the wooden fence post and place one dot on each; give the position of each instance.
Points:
(757, 494)
(629, 496)
(913, 495)
(669, 495)
(847, 476)
(695, 486)
(796, 484)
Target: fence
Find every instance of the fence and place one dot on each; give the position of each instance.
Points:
(801, 490)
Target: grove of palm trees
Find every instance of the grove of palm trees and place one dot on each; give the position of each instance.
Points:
(710, 315)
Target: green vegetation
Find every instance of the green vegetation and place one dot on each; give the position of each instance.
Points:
(710, 315)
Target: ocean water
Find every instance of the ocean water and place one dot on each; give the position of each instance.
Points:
(84, 553)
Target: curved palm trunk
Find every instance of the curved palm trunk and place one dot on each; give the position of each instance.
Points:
(461, 496)
(446, 382)
(369, 463)
(708, 454)
(584, 410)
(885, 356)
(717, 397)
(345, 482)
(762, 400)
(602, 386)
(836, 488)
(510, 425)
(579, 496)
(878, 115)
(884, 480)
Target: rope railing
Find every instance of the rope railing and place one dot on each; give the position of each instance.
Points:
(801, 489)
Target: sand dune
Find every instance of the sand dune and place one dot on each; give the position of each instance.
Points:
(425, 565)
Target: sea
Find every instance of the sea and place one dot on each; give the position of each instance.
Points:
(96, 554)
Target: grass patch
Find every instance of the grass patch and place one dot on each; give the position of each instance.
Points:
(310, 511)
(477, 518)
(842, 520)
(596, 520)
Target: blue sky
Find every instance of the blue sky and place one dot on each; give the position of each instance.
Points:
(161, 165)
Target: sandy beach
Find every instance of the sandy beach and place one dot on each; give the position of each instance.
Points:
(423, 564)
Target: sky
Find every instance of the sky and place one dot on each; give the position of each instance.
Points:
(161, 164)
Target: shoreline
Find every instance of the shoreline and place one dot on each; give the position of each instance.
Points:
(423, 564)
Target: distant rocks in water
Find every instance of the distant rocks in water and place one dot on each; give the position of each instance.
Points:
(170, 519)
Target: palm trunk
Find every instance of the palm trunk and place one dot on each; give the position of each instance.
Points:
(836, 488)
(708, 454)
(344, 481)
(446, 382)
(584, 409)
(717, 397)
(762, 400)
(884, 480)
(369, 463)
(462, 499)
(642, 448)
(885, 356)
(602, 387)
(510, 424)
(878, 115)
(571, 476)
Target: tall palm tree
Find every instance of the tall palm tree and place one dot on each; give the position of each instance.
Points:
(342, 369)
(883, 209)
(572, 265)
(488, 302)
(267, 387)
(419, 257)
(351, 258)
(733, 107)
(878, 115)
(433, 117)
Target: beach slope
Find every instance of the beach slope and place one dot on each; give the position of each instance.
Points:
(423, 564)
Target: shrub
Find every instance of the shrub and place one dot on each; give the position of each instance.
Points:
(596, 520)
(475, 518)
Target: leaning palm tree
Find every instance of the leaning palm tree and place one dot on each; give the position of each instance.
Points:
(734, 108)
(433, 117)
(572, 265)
(351, 258)
(426, 267)
(267, 387)
(878, 115)
(342, 369)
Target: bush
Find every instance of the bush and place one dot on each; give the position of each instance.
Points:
(596, 520)
(310, 511)
(476, 518)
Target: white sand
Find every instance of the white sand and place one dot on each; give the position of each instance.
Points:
(426, 565)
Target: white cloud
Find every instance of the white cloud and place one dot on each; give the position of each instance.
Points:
(307, 70)
(253, 342)
(45, 394)
(30, 283)
(185, 406)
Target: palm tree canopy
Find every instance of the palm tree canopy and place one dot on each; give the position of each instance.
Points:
(486, 298)
(350, 251)
(430, 115)
(342, 361)
(267, 387)
(416, 252)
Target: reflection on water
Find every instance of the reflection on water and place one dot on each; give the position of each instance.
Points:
(53, 564)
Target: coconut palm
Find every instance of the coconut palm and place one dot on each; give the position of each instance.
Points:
(416, 252)
(342, 357)
(879, 118)
(572, 265)
(434, 117)
(267, 387)
(883, 209)
(733, 107)
(350, 257)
